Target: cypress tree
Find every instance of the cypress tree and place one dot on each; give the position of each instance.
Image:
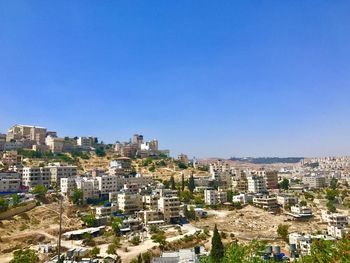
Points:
(191, 184)
(182, 182)
(172, 183)
(217, 248)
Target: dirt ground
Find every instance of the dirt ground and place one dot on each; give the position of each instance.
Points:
(37, 226)
(254, 223)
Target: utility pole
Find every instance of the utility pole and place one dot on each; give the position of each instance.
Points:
(60, 231)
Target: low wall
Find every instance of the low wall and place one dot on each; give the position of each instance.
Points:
(17, 210)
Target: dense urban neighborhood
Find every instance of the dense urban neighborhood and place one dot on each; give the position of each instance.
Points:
(78, 199)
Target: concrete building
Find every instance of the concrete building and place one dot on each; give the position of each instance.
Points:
(55, 144)
(27, 132)
(10, 158)
(298, 211)
(10, 182)
(86, 142)
(58, 171)
(33, 176)
(271, 179)
(151, 217)
(214, 197)
(314, 181)
(242, 198)
(183, 158)
(129, 203)
(287, 199)
(120, 166)
(268, 203)
(2, 142)
(256, 184)
(170, 207)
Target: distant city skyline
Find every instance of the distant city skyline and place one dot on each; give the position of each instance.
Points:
(253, 79)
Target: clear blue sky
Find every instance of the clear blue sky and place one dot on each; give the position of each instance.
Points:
(207, 78)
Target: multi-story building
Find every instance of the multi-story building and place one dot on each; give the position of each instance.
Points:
(298, 211)
(170, 207)
(129, 203)
(120, 166)
(268, 203)
(108, 183)
(88, 187)
(151, 217)
(27, 132)
(256, 184)
(58, 171)
(86, 142)
(287, 199)
(271, 179)
(214, 197)
(2, 142)
(55, 144)
(68, 185)
(314, 181)
(47, 175)
(10, 182)
(150, 202)
(337, 225)
(33, 176)
(11, 158)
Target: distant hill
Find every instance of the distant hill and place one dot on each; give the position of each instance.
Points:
(268, 160)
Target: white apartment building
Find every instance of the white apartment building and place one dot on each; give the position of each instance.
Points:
(47, 175)
(256, 184)
(105, 211)
(109, 183)
(58, 171)
(214, 197)
(287, 199)
(33, 176)
(301, 211)
(10, 182)
(68, 185)
(337, 224)
(88, 187)
(129, 203)
(170, 207)
(86, 142)
(55, 144)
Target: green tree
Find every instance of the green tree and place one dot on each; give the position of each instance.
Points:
(217, 248)
(25, 256)
(191, 184)
(182, 166)
(172, 183)
(331, 207)
(100, 151)
(282, 231)
(39, 190)
(116, 225)
(186, 196)
(4, 204)
(77, 197)
(146, 257)
(284, 184)
(112, 249)
(90, 220)
(94, 252)
(15, 199)
(160, 239)
(135, 240)
(333, 184)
